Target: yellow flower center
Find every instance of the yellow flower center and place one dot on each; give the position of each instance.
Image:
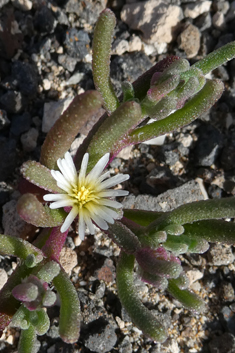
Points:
(84, 195)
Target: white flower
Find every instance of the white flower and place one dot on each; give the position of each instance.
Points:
(88, 195)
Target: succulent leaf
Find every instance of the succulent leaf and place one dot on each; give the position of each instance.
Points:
(124, 237)
(70, 316)
(39, 175)
(65, 129)
(189, 300)
(211, 230)
(138, 313)
(124, 119)
(101, 47)
(27, 342)
(192, 109)
(158, 262)
(32, 211)
(21, 248)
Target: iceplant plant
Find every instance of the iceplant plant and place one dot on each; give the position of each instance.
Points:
(152, 239)
(88, 194)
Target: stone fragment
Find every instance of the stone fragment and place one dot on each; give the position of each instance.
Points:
(218, 20)
(135, 43)
(168, 200)
(68, 259)
(7, 157)
(23, 5)
(52, 112)
(4, 121)
(193, 10)
(3, 277)
(154, 18)
(12, 101)
(67, 62)
(120, 46)
(76, 43)
(189, 40)
(223, 344)
(220, 255)
(29, 140)
(103, 340)
(44, 20)
(12, 223)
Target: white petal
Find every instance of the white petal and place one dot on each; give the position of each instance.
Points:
(103, 176)
(113, 193)
(110, 203)
(69, 219)
(54, 197)
(98, 168)
(66, 171)
(119, 178)
(61, 203)
(70, 162)
(82, 172)
(107, 217)
(81, 226)
(89, 224)
(60, 180)
(69, 172)
(100, 222)
(110, 212)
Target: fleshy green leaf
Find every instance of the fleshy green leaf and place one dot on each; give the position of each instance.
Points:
(124, 237)
(70, 316)
(65, 129)
(211, 230)
(153, 262)
(50, 270)
(112, 140)
(138, 313)
(201, 102)
(216, 58)
(18, 247)
(142, 84)
(141, 217)
(32, 211)
(27, 342)
(188, 299)
(39, 175)
(40, 320)
(101, 47)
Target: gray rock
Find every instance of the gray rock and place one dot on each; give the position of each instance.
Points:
(228, 319)
(12, 223)
(208, 146)
(7, 157)
(103, 340)
(193, 10)
(29, 140)
(189, 40)
(154, 18)
(223, 344)
(52, 112)
(3, 277)
(23, 5)
(44, 20)
(4, 121)
(3, 2)
(12, 101)
(26, 77)
(167, 201)
(76, 43)
(220, 255)
(67, 62)
(20, 124)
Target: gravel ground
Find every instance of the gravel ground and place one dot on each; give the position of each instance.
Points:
(45, 60)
